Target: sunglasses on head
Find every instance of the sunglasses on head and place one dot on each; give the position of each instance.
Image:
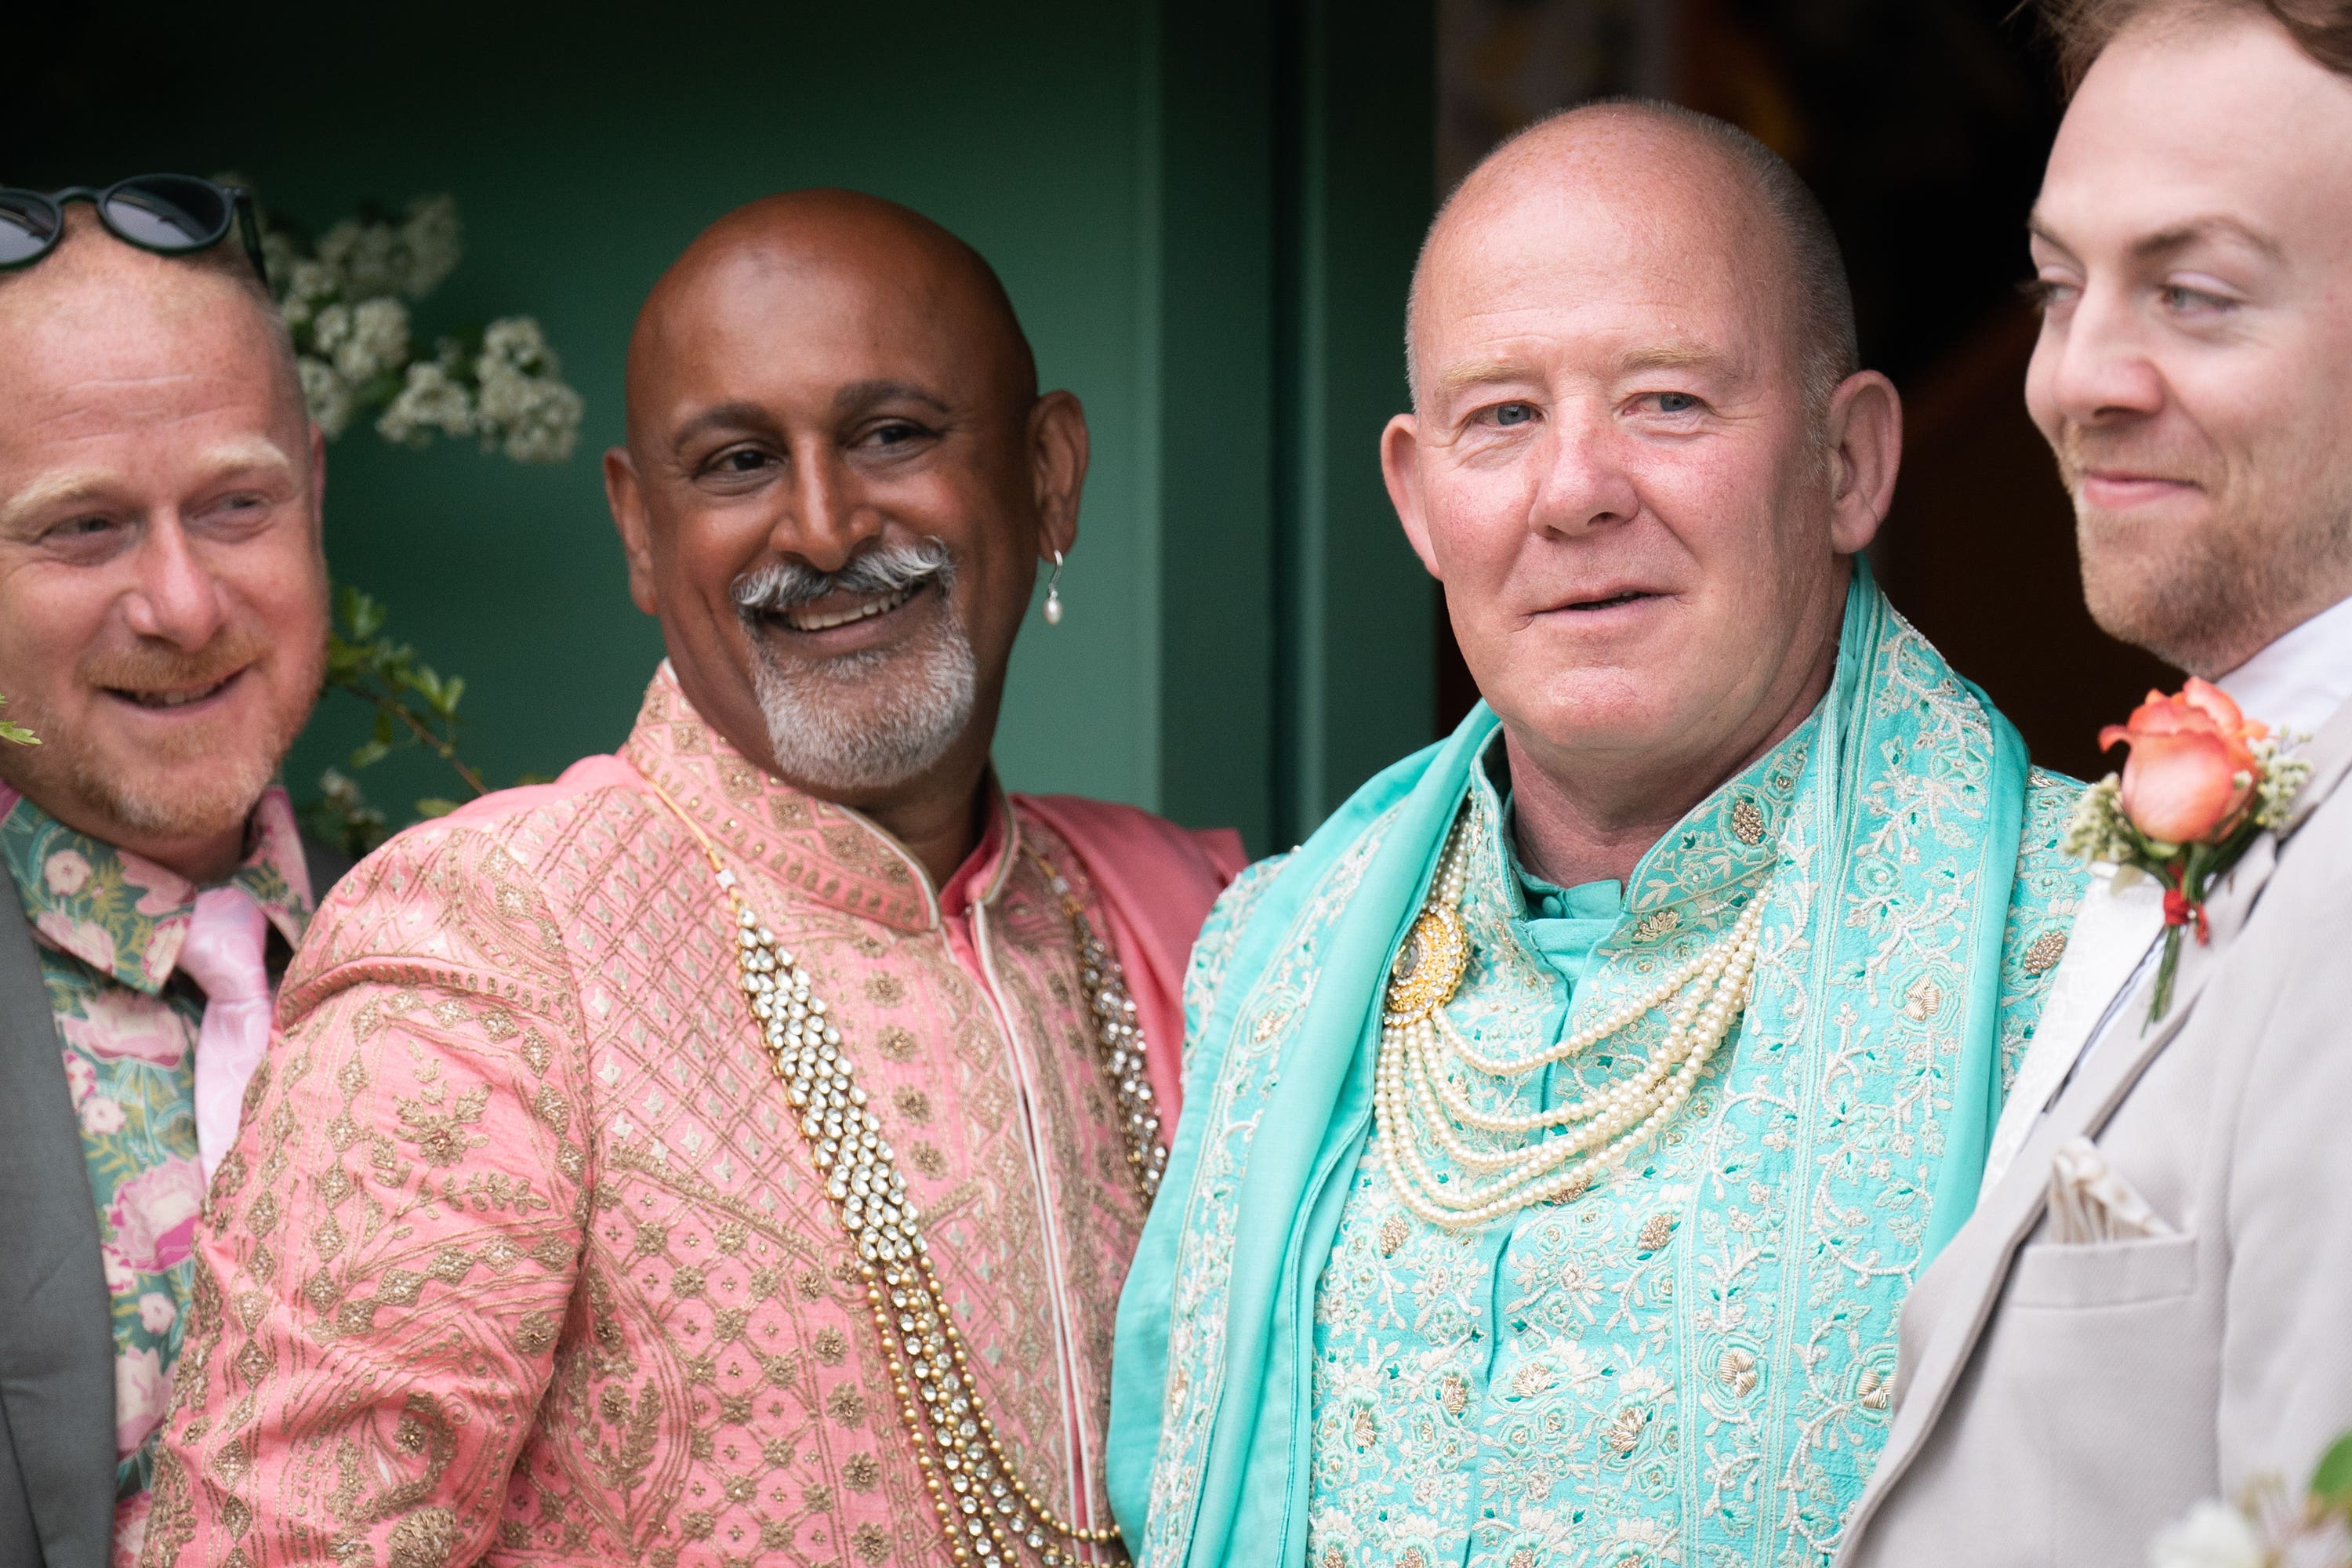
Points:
(171, 215)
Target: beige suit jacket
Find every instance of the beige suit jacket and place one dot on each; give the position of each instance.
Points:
(2061, 1403)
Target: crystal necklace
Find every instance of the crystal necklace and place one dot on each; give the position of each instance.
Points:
(987, 1513)
(1418, 1101)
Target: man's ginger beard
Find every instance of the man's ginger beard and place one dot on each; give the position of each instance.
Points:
(189, 786)
(870, 719)
(2199, 597)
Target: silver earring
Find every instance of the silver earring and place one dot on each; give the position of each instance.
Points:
(1054, 592)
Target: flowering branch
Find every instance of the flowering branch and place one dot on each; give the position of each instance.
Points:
(346, 300)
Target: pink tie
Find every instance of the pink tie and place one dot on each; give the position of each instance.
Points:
(222, 951)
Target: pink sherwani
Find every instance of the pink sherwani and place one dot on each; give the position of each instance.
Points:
(521, 1258)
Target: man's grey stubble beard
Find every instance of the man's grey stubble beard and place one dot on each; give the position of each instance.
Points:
(872, 719)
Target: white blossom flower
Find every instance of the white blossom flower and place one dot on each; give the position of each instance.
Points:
(306, 285)
(375, 342)
(329, 327)
(516, 342)
(2213, 1535)
(325, 394)
(364, 255)
(538, 416)
(429, 400)
(525, 408)
(430, 237)
(411, 257)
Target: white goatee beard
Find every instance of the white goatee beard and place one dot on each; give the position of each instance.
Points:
(869, 720)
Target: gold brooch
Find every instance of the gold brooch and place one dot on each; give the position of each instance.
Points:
(1747, 822)
(1428, 966)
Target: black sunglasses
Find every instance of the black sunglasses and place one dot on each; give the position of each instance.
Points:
(171, 215)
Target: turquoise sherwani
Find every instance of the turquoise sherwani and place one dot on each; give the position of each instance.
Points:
(1690, 1363)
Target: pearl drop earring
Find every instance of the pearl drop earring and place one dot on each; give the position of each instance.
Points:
(1054, 592)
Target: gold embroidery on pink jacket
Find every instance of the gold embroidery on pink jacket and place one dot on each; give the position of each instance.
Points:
(520, 1257)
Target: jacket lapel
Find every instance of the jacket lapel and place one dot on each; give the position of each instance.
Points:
(2110, 936)
(1967, 1283)
(56, 1335)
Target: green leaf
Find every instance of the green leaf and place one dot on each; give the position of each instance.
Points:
(364, 616)
(451, 689)
(2331, 1483)
(434, 806)
(368, 755)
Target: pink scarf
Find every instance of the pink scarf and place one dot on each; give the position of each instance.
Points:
(1157, 882)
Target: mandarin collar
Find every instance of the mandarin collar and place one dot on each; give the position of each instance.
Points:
(832, 854)
(1725, 843)
(127, 916)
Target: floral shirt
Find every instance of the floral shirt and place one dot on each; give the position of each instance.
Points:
(109, 926)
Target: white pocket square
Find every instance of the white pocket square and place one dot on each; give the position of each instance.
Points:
(2091, 1202)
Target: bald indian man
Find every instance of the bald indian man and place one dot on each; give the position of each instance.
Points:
(1568, 1118)
(730, 1152)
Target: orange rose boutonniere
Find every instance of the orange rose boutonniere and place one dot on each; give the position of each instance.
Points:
(2201, 782)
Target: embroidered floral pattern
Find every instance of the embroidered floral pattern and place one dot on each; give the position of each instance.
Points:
(1689, 1364)
(110, 925)
(522, 1258)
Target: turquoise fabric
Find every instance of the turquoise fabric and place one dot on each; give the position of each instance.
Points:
(1900, 832)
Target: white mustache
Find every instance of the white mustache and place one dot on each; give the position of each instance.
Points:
(878, 572)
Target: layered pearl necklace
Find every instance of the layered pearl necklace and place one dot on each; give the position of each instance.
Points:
(1417, 1101)
(987, 1511)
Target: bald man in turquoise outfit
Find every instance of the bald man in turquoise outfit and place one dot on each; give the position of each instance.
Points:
(1566, 1120)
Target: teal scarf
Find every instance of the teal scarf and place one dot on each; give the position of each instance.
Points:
(1213, 1378)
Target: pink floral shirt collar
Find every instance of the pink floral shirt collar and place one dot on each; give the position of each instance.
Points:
(129, 926)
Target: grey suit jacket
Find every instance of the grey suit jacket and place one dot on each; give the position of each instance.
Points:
(57, 1334)
(2061, 1403)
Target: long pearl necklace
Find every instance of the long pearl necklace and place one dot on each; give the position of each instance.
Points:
(1417, 1101)
(989, 1514)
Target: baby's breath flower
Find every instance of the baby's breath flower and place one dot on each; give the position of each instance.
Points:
(2098, 831)
(2281, 778)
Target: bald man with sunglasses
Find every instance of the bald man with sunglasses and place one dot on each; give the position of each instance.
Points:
(162, 626)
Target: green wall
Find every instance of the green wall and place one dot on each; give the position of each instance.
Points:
(1204, 214)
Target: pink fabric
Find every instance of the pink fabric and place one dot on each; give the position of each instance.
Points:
(1157, 881)
(225, 951)
(520, 1257)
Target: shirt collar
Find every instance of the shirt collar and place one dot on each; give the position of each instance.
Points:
(127, 916)
(825, 852)
(2302, 678)
(1689, 884)
(1725, 842)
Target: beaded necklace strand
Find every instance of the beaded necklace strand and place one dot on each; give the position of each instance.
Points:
(987, 1513)
(1418, 1100)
